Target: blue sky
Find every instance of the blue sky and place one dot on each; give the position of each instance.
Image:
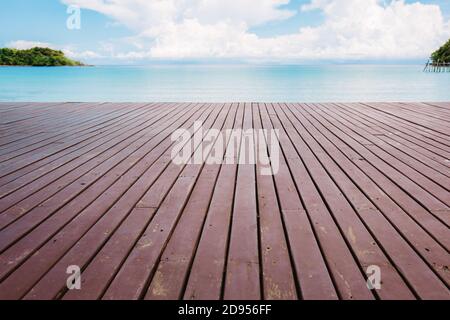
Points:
(297, 33)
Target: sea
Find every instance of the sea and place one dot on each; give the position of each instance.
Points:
(224, 83)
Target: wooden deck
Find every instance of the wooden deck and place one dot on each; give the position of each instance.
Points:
(93, 185)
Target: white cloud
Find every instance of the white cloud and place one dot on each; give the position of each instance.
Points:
(367, 28)
(25, 44)
(87, 54)
(220, 29)
(143, 15)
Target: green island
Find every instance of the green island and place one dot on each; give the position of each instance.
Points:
(36, 57)
(442, 55)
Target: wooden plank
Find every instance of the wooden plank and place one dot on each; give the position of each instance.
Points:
(115, 217)
(20, 177)
(132, 280)
(427, 284)
(408, 182)
(47, 146)
(22, 174)
(35, 238)
(27, 128)
(391, 154)
(436, 229)
(401, 124)
(347, 274)
(12, 119)
(277, 273)
(408, 195)
(413, 120)
(31, 130)
(41, 190)
(360, 240)
(312, 271)
(92, 184)
(441, 106)
(425, 111)
(108, 257)
(72, 232)
(205, 280)
(169, 279)
(407, 144)
(242, 278)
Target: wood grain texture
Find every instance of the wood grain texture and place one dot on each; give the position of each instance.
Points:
(93, 185)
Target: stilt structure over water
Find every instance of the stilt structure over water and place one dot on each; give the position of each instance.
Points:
(437, 67)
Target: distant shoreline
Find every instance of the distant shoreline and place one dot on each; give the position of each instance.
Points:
(25, 66)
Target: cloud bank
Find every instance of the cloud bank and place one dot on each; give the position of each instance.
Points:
(351, 29)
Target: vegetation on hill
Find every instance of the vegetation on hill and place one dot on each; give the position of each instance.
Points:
(35, 57)
(442, 55)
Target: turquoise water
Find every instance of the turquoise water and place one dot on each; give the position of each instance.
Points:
(204, 83)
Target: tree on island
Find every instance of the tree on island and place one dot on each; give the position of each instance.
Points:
(39, 57)
(442, 55)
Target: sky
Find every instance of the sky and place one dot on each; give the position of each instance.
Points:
(280, 31)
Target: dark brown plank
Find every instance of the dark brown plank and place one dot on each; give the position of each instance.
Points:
(132, 280)
(205, 280)
(242, 278)
(369, 212)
